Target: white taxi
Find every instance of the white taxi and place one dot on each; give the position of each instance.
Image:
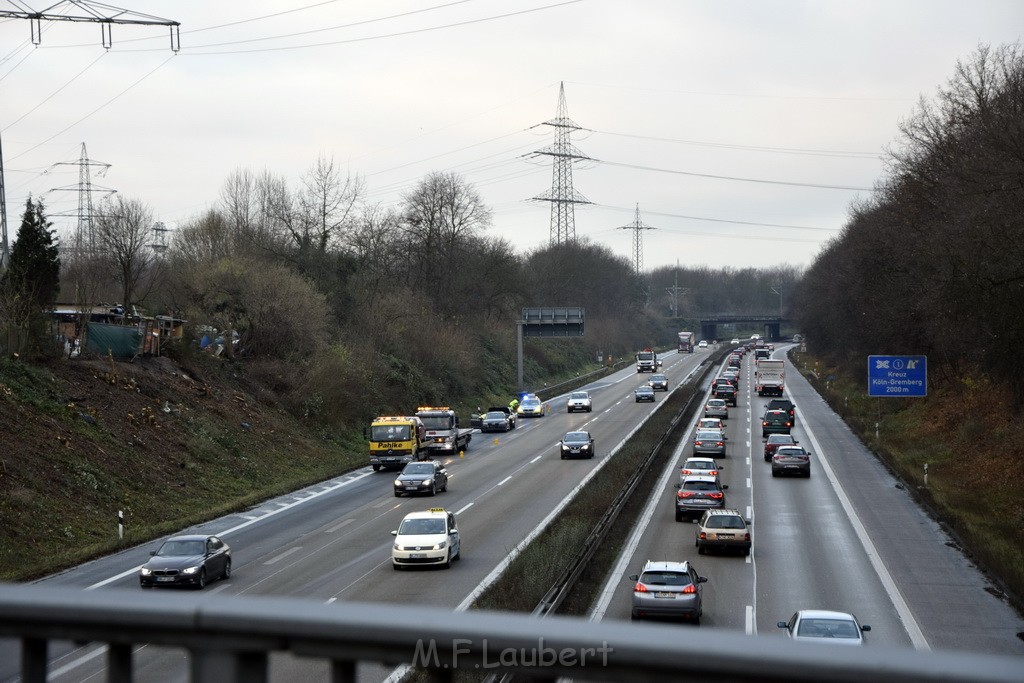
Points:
(426, 538)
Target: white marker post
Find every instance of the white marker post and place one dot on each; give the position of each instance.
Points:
(120, 524)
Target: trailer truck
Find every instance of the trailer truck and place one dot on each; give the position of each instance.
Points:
(770, 377)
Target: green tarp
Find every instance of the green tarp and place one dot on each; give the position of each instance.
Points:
(116, 340)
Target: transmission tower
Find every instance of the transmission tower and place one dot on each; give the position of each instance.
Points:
(638, 245)
(93, 12)
(562, 196)
(85, 235)
(675, 290)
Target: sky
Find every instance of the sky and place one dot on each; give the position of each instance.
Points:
(743, 130)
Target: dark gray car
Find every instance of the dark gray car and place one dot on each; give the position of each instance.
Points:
(577, 445)
(425, 476)
(495, 422)
(191, 560)
(668, 590)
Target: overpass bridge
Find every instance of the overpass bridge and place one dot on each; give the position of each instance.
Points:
(770, 324)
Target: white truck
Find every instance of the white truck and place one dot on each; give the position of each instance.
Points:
(443, 434)
(646, 360)
(770, 377)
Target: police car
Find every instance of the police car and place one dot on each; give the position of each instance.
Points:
(426, 538)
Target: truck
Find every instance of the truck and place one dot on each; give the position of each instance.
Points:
(443, 434)
(770, 377)
(646, 360)
(395, 441)
(686, 342)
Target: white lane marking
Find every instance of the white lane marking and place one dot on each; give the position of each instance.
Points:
(748, 457)
(238, 527)
(749, 512)
(906, 616)
(55, 673)
(748, 559)
(330, 600)
(749, 620)
(381, 504)
(342, 524)
(508, 478)
(283, 555)
(466, 507)
(537, 458)
(748, 482)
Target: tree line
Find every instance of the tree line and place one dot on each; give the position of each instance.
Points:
(934, 262)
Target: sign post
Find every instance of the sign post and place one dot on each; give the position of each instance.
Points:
(899, 376)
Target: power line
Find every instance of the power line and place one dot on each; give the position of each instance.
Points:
(738, 179)
(752, 148)
(718, 220)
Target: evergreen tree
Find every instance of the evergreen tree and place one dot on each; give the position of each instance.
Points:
(34, 272)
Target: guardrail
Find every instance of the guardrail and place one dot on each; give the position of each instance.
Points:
(230, 639)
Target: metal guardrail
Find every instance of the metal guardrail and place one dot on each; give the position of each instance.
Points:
(230, 639)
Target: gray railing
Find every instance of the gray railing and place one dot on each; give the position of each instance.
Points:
(229, 639)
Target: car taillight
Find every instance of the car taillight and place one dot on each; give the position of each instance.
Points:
(712, 473)
(697, 443)
(639, 588)
(746, 536)
(690, 589)
(721, 443)
(686, 472)
(789, 424)
(765, 423)
(685, 494)
(703, 536)
(716, 495)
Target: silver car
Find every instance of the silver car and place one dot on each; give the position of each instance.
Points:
(669, 590)
(825, 626)
(716, 407)
(579, 400)
(709, 442)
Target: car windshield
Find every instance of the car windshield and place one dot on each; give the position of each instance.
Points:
(700, 486)
(781, 438)
(791, 451)
(776, 415)
(658, 378)
(530, 403)
(420, 527)
(828, 628)
(699, 465)
(708, 436)
(643, 389)
(494, 415)
(577, 437)
(181, 548)
(389, 433)
(724, 522)
(579, 394)
(665, 578)
(716, 403)
(437, 422)
(419, 468)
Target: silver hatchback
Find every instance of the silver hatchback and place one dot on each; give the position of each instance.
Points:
(669, 590)
(709, 442)
(716, 407)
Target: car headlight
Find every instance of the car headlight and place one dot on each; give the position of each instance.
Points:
(441, 545)
(146, 571)
(398, 482)
(190, 570)
(396, 547)
(425, 482)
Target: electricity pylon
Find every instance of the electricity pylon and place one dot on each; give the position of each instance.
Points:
(638, 245)
(85, 236)
(562, 196)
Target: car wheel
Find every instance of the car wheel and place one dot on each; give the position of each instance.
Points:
(775, 473)
(679, 517)
(563, 456)
(396, 567)
(746, 551)
(227, 570)
(696, 619)
(145, 585)
(433, 489)
(589, 409)
(397, 494)
(376, 468)
(701, 550)
(448, 560)
(201, 583)
(591, 457)
(445, 489)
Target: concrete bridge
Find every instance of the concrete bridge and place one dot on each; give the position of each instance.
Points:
(771, 324)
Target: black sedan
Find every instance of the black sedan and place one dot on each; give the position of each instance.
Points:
(495, 422)
(577, 445)
(426, 476)
(191, 560)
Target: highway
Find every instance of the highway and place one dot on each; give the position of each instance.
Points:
(845, 539)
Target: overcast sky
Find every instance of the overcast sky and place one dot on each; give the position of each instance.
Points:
(784, 100)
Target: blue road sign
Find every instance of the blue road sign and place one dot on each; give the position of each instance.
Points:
(897, 375)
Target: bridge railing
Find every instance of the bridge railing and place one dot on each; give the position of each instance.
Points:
(230, 639)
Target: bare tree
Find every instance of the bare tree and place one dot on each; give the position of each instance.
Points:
(328, 200)
(125, 231)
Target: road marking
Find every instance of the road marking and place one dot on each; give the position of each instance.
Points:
(283, 555)
(466, 507)
(749, 512)
(338, 526)
(749, 621)
(330, 600)
(748, 457)
(508, 478)
(906, 616)
(748, 482)
(537, 458)
(381, 504)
